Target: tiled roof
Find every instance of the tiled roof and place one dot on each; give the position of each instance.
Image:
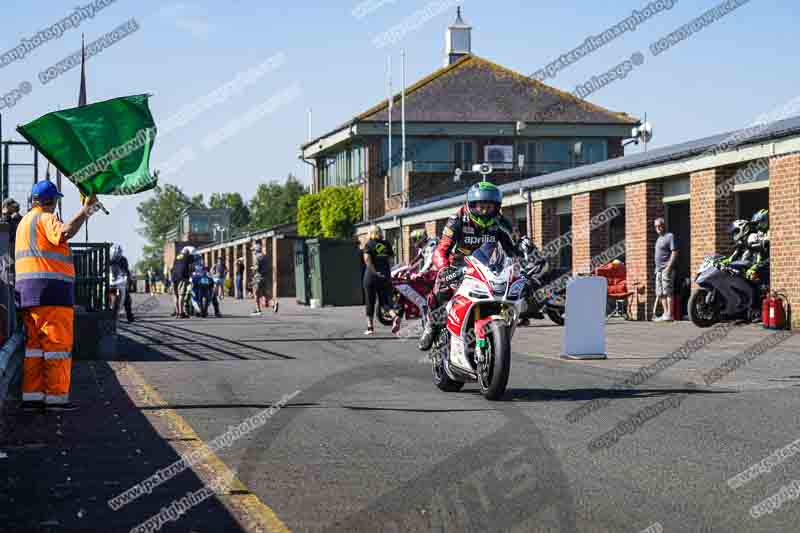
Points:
(474, 89)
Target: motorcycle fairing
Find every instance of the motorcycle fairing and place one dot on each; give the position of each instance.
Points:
(459, 308)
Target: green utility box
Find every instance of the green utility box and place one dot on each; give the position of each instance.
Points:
(335, 272)
(302, 272)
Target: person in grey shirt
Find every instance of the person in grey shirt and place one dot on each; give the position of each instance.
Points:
(666, 256)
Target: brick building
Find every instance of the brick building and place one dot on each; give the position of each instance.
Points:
(196, 227)
(277, 243)
(467, 112)
(700, 187)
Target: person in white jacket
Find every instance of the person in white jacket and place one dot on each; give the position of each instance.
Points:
(120, 275)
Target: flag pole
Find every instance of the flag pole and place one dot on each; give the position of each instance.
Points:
(403, 123)
(82, 99)
(389, 77)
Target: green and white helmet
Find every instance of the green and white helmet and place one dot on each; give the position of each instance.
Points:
(484, 191)
(418, 236)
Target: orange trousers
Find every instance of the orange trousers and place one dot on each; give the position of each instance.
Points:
(48, 354)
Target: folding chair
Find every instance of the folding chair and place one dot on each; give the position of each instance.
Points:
(618, 293)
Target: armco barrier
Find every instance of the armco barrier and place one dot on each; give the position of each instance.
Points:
(10, 367)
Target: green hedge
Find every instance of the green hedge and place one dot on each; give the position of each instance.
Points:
(308, 216)
(331, 213)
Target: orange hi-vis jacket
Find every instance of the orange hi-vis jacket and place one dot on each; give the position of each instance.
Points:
(45, 274)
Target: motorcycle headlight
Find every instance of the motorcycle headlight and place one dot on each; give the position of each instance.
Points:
(500, 288)
(516, 290)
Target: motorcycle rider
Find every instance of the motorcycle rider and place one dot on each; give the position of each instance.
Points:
(419, 238)
(477, 222)
(199, 272)
(181, 278)
(538, 264)
(751, 247)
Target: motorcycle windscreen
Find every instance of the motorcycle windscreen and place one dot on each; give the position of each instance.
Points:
(492, 256)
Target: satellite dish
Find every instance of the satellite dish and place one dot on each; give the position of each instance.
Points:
(646, 132)
(483, 168)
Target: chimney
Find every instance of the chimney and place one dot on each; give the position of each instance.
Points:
(458, 40)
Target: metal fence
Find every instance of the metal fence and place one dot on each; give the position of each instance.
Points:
(92, 270)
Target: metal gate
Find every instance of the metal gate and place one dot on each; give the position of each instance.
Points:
(92, 272)
(20, 170)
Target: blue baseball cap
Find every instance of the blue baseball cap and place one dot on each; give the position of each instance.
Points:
(45, 190)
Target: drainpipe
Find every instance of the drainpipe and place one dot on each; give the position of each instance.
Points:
(313, 173)
(529, 214)
(522, 192)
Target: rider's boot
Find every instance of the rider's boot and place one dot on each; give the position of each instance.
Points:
(428, 334)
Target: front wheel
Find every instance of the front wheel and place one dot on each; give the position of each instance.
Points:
(440, 377)
(493, 372)
(703, 314)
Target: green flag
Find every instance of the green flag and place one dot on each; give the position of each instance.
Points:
(103, 148)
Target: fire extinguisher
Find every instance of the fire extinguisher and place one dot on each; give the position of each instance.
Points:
(773, 315)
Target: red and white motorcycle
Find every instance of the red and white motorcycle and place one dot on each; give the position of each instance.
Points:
(475, 345)
(410, 288)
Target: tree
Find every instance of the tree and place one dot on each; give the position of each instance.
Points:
(160, 214)
(275, 203)
(240, 213)
(153, 257)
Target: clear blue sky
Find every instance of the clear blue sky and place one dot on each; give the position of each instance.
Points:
(719, 79)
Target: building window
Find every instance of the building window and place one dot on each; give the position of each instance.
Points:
(553, 155)
(518, 217)
(396, 181)
(592, 151)
(528, 150)
(464, 154)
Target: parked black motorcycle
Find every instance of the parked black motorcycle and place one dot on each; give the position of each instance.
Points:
(725, 293)
(542, 294)
(726, 290)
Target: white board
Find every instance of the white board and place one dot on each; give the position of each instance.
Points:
(585, 324)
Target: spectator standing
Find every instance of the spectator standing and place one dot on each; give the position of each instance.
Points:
(665, 257)
(181, 276)
(262, 280)
(239, 278)
(11, 217)
(46, 286)
(377, 287)
(219, 272)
